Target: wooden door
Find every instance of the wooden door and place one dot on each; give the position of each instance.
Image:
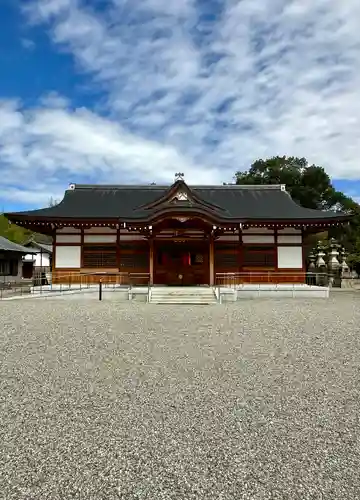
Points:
(27, 270)
(181, 263)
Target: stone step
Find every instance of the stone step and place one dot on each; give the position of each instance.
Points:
(182, 295)
(184, 299)
(183, 292)
(165, 300)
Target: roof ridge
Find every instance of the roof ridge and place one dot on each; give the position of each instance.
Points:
(280, 187)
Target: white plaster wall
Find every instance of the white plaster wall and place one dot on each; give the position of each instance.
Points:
(99, 238)
(290, 257)
(128, 237)
(68, 238)
(29, 257)
(252, 230)
(289, 230)
(68, 230)
(289, 238)
(258, 238)
(228, 237)
(45, 262)
(92, 230)
(67, 257)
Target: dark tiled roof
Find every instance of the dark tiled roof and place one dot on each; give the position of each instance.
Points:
(129, 203)
(10, 246)
(37, 247)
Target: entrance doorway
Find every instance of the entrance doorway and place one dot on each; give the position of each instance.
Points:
(185, 263)
(27, 270)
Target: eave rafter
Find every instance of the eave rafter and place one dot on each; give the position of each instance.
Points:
(145, 227)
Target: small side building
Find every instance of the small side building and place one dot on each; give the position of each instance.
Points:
(11, 263)
(38, 262)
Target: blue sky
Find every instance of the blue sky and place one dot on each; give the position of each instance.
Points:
(112, 91)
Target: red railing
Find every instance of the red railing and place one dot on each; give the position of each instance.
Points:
(261, 277)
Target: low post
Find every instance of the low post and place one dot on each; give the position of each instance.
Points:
(100, 290)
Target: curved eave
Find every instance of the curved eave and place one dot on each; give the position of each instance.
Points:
(36, 219)
(171, 212)
(47, 224)
(313, 222)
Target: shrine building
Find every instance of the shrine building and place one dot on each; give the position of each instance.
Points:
(179, 234)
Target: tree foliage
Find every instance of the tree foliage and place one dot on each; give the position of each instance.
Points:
(13, 232)
(311, 187)
(20, 235)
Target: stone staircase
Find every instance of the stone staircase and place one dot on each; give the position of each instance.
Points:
(182, 295)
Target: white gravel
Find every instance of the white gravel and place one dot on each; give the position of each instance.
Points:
(106, 400)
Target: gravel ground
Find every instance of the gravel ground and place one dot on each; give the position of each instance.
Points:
(106, 400)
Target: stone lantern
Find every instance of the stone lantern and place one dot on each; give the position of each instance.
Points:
(311, 275)
(321, 275)
(345, 270)
(312, 259)
(334, 266)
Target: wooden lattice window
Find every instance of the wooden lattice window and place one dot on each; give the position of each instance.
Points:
(262, 256)
(99, 256)
(226, 256)
(4, 268)
(226, 260)
(134, 256)
(9, 267)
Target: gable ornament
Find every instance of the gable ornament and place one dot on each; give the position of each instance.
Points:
(179, 176)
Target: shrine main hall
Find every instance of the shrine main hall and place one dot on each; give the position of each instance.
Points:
(179, 234)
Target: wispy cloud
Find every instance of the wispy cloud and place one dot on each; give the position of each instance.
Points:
(204, 87)
(28, 44)
(43, 146)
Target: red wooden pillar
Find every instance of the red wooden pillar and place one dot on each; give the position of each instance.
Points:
(211, 261)
(151, 266)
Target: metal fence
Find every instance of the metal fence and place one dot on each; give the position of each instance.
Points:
(279, 278)
(74, 282)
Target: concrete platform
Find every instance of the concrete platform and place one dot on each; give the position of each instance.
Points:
(252, 291)
(188, 294)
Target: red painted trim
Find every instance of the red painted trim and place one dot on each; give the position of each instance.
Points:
(241, 251)
(53, 251)
(118, 248)
(303, 250)
(82, 248)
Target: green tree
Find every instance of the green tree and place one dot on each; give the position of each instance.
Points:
(311, 187)
(13, 232)
(354, 256)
